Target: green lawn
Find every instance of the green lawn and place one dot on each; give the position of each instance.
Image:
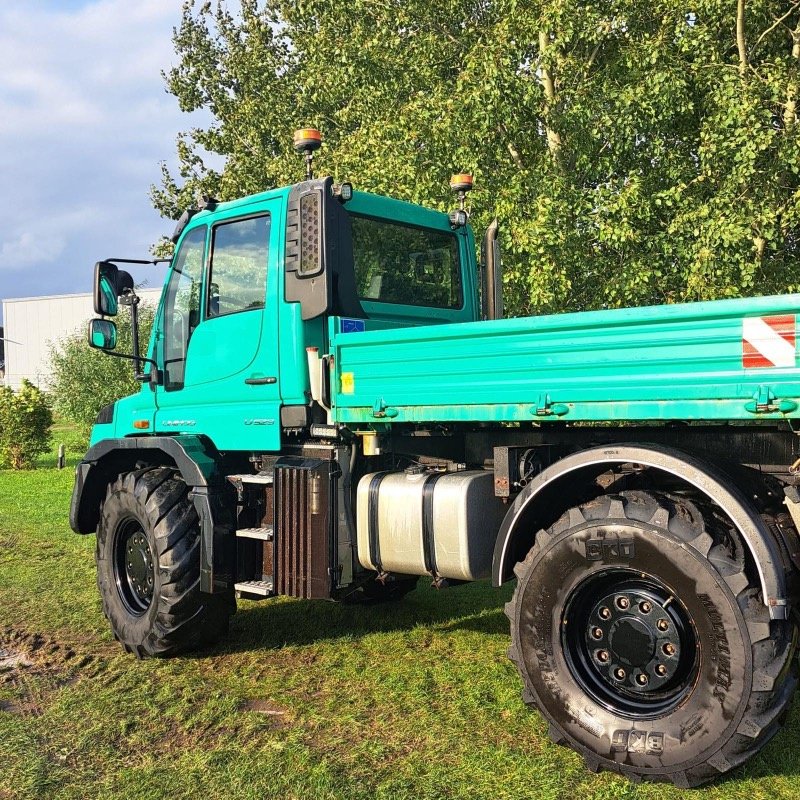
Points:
(304, 700)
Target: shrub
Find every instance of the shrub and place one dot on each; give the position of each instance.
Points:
(84, 380)
(25, 421)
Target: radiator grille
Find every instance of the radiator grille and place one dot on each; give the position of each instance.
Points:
(301, 530)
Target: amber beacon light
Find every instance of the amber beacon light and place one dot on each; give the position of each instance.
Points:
(307, 140)
(460, 184)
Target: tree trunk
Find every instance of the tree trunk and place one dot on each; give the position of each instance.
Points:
(548, 84)
(790, 109)
(512, 150)
(740, 42)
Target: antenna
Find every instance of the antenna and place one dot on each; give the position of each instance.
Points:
(307, 140)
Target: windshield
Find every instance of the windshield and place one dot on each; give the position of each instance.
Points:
(402, 264)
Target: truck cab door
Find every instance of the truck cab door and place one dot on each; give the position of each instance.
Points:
(218, 334)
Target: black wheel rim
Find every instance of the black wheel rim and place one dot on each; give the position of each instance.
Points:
(630, 643)
(134, 572)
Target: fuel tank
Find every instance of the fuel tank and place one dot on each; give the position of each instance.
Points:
(421, 522)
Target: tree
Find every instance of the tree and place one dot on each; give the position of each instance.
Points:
(84, 380)
(635, 152)
(25, 421)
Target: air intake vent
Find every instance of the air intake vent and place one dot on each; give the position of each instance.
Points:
(302, 528)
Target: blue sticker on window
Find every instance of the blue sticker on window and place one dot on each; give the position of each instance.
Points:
(352, 325)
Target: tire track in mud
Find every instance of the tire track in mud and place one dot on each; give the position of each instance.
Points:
(34, 666)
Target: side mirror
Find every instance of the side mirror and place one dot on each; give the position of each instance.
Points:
(102, 334)
(106, 278)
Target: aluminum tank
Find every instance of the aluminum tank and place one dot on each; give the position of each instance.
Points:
(423, 522)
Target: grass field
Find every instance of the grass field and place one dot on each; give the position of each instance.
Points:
(304, 700)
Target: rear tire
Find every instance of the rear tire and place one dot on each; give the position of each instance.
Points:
(639, 637)
(148, 567)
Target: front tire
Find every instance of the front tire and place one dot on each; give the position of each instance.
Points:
(639, 637)
(148, 567)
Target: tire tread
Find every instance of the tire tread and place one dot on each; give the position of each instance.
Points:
(184, 618)
(775, 672)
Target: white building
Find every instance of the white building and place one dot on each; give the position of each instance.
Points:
(32, 324)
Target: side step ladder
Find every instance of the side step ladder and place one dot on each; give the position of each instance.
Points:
(261, 540)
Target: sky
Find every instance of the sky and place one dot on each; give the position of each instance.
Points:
(85, 121)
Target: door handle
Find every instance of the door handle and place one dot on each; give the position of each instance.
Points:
(260, 381)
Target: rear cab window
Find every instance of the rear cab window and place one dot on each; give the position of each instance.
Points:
(406, 265)
(410, 264)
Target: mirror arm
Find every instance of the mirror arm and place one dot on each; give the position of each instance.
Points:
(138, 260)
(132, 299)
(137, 366)
(138, 376)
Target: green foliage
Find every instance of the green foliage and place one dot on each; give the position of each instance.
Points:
(25, 421)
(634, 152)
(84, 380)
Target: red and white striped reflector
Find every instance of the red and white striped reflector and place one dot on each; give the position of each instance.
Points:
(769, 342)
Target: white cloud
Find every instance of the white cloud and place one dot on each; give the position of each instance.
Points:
(42, 243)
(90, 68)
(84, 122)
(30, 248)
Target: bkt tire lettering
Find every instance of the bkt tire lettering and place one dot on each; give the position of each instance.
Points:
(633, 741)
(609, 549)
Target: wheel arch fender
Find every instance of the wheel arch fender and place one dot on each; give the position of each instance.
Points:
(546, 487)
(194, 456)
(196, 459)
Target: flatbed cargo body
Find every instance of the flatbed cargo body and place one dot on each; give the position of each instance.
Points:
(692, 361)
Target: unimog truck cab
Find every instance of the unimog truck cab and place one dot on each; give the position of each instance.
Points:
(333, 406)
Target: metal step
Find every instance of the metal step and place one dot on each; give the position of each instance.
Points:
(240, 481)
(264, 534)
(263, 478)
(258, 588)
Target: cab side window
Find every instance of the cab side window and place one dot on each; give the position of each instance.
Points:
(238, 276)
(182, 305)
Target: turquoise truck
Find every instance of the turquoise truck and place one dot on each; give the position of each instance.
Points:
(332, 405)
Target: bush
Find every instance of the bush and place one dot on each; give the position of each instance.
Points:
(84, 380)
(25, 421)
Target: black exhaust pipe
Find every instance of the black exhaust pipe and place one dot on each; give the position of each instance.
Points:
(492, 276)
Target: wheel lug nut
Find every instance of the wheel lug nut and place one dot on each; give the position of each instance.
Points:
(669, 649)
(602, 656)
(597, 633)
(619, 674)
(623, 603)
(661, 670)
(605, 613)
(642, 679)
(662, 624)
(645, 607)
